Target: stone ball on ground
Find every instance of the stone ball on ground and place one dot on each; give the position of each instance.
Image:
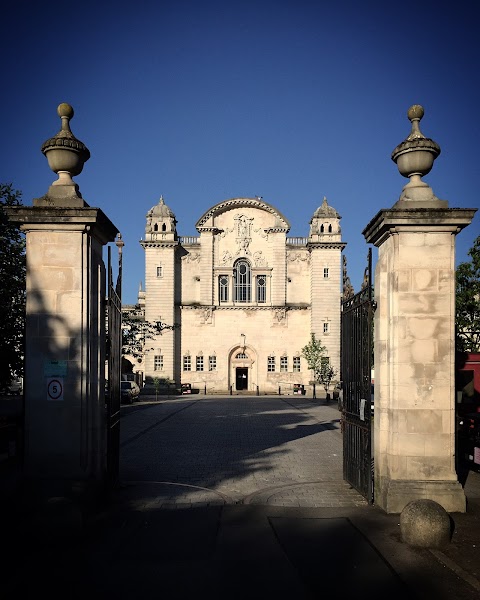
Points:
(425, 523)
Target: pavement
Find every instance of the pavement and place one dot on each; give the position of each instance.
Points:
(229, 497)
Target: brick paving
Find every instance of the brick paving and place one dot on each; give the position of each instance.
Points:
(208, 450)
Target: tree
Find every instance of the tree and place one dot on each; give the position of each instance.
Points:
(136, 332)
(327, 373)
(313, 353)
(12, 294)
(467, 318)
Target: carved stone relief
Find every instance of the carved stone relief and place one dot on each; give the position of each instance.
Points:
(258, 259)
(191, 257)
(298, 256)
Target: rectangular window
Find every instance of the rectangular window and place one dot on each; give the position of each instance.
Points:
(261, 288)
(160, 271)
(187, 363)
(199, 363)
(212, 363)
(284, 364)
(325, 272)
(271, 364)
(296, 364)
(325, 361)
(158, 362)
(325, 328)
(223, 288)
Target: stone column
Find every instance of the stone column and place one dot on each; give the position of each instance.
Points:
(65, 325)
(414, 352)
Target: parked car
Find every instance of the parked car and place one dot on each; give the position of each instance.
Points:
(129, 391)
(186, 388)
(16, 387)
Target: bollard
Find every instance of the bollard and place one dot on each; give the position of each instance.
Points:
(231, 390)
(205, 389)
(258, 393)
(279, 391)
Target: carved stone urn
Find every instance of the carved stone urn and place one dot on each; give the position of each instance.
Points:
(65, 154)
(414, 158)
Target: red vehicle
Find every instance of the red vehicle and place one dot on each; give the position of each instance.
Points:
(186, 388)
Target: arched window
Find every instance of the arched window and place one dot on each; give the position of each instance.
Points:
(155, 227)
(329, 229)
(242, 281)
(322, 229)
(164, 227)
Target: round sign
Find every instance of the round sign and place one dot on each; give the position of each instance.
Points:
(55, 389)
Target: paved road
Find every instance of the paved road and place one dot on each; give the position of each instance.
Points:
(267, 515)
(276, 450)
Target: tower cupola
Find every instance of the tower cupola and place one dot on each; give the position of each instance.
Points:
(325, 224)
(161, 223)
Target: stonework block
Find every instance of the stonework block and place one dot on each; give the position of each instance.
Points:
(439, 445)
(428, 468)
(424, 280)
(408, 444)
(424, 421)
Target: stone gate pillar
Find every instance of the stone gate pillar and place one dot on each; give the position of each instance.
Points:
(65, 325)
(414, 347)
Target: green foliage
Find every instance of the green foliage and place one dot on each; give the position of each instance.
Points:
(327, 373)
(156, 383)
(313, 353)
(12, 294)
(467, 318)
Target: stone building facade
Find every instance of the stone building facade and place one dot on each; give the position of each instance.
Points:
(246, 297)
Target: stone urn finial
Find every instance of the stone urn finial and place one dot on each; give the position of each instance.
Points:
(414, 158)
(65, 154)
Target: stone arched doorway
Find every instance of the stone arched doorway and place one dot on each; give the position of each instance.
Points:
(243, 369)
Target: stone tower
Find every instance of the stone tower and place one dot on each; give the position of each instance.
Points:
(160, 246)
(325, 245)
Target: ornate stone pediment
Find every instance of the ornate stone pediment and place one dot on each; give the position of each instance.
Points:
(280, 221)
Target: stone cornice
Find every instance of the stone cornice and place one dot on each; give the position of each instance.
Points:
(244, 307)
(389, 221)
(326, 245)
(159, 244)
(276, 230)
(213, 230)
(32, 218)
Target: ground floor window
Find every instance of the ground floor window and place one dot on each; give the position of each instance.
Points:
(296, 364)
(187, 362)
(199, 363)
(212, 363)
(158, 362)
(271, 364)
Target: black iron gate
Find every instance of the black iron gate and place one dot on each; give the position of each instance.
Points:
(357, 411)
(114, 357)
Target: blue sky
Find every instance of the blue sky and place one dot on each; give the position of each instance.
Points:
(204, 101)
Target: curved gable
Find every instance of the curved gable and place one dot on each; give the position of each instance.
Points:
(208, 218)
